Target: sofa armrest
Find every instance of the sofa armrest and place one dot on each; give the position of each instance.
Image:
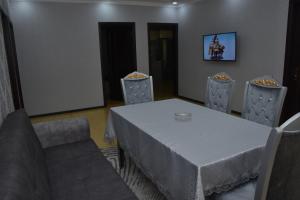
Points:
(62, 131)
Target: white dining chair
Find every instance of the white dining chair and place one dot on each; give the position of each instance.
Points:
(219, 92)
(263, 103)
(137, 88)
(279, 178)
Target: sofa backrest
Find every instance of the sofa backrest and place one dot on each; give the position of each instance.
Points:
(23, 170)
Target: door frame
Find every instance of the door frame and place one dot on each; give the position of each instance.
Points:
(100, 27)
(288, 57)
(174, 27)
(289, 40)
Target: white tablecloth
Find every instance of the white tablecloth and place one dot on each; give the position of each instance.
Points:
(213, 152)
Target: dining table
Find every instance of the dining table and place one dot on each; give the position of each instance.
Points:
(188, 159)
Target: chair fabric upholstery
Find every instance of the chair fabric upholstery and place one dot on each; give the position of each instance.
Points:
(280, 170)
(218, 94)
(23, 170)
(137, 90)
(263, 105)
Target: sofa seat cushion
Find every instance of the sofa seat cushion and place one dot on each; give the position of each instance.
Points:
(79, 171)
(64, 152)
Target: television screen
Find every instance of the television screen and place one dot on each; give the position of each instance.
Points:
(219, 47)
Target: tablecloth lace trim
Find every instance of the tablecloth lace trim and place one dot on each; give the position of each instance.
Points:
(225, 188)
(150, 176)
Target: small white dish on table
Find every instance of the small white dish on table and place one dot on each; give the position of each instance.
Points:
(183, 117)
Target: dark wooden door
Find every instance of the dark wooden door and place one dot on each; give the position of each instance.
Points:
(118, 55)
(163, 58)
(292, 63)
(12, 61)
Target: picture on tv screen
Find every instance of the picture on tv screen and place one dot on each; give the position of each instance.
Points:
(219, 47)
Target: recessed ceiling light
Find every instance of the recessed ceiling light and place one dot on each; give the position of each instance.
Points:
(175, 3)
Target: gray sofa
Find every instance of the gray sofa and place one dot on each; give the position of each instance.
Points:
(54, 161)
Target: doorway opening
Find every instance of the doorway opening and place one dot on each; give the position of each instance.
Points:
(291, 77)
(118, 57)
(163, 58)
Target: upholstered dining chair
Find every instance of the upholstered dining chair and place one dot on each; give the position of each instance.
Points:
(137, 88)
(263, 101)
(279, 177)
(219, 92)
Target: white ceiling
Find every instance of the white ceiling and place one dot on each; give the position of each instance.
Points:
(124, 2)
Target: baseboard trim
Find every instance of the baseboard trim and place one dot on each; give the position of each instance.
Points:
(236, 112)
(67, 111)
(202, 103)
(191, 100)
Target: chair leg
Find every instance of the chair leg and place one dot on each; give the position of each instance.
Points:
(121, 157)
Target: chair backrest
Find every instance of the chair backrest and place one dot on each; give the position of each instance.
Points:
(219, 94)
(137, 88)
(280, 171)
(263, 104)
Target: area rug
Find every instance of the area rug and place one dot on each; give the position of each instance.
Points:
(143, 188)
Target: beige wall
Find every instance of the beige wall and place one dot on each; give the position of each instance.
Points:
(58, 50)
(59, 57)
(261, 29)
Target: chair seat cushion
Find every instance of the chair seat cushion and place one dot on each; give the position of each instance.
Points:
(244, 192)
(79, 171)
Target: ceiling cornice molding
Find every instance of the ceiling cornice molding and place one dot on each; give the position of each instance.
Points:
(194, 1)
(132, 3)
(139, 3)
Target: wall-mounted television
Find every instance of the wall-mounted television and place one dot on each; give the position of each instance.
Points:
(219, 47)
